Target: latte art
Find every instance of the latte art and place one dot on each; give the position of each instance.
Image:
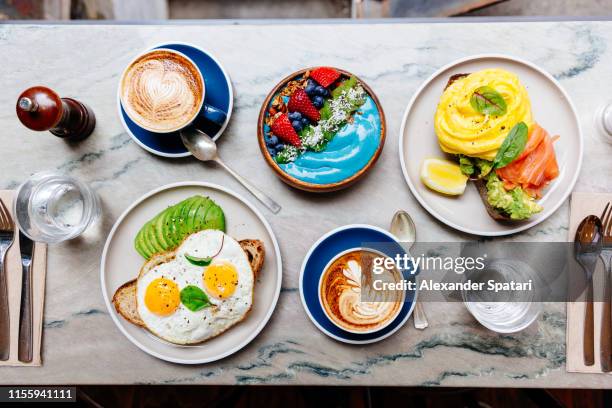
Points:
(162, 91)
(353, 305)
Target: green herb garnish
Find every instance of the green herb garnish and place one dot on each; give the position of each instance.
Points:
(194, 260)
(205, 261)
(194, 298)
(512, 147)
(488, 101)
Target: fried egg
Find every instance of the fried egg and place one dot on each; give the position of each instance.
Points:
(463, 130)
(227, 281)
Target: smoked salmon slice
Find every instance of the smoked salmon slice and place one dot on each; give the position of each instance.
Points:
(535, 167)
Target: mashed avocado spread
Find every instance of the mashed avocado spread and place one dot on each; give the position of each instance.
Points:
(515, 203)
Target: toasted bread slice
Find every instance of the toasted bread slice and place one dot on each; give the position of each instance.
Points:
(124, 298)
(255, 252)
(481, 185)
(124, 301)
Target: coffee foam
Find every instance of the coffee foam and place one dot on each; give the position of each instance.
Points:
(162, 91)
(343, 297)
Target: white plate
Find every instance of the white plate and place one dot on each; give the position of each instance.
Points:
(121, 263)
(552, 109)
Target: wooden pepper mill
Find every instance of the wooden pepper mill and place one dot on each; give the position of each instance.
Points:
(40, 108)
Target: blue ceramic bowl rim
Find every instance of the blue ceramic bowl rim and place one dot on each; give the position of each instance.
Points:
(305, 304)
(221, 68)
(308, 186)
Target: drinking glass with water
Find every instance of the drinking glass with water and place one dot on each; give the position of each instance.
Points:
(52, 208)
(505, 311)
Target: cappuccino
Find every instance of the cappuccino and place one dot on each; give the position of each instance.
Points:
(348, 297)
(162, 91)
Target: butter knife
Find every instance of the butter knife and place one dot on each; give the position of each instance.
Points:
(26, 246)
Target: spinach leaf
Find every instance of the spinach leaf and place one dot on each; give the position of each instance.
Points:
(488, 101)
(512, 147)
(194, 298)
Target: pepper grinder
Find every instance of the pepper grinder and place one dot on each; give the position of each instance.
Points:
(40, 108)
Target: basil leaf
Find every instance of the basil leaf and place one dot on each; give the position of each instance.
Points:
(488, 101)
(512, 147)
(194, 298)
(198, 261)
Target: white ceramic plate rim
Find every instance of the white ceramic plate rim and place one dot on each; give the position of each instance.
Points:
(253, 334)
(229, 110)
(521, 227)
(304, 304)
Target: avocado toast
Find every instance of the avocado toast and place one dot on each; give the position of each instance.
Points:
(124, 298)
(204, 271)
(485, 122)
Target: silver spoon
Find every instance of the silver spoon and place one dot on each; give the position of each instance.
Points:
(205, 149)
(404, 229)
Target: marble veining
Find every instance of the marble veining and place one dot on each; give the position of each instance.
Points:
(81, 343)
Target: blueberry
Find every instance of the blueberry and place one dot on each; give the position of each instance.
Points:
(319, 90)
(272, 141)
(272, 151)
(295, 116)
(279, 147)
(297, 125)
(318, 101)
(310, 88)
(305, 122)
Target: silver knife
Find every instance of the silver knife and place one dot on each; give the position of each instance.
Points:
(26, 246)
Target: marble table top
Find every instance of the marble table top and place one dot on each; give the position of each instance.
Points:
(82, 345)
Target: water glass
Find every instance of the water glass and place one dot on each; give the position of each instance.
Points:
(52, 208)
(505, 311)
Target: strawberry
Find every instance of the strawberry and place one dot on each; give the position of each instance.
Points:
(325, 76)
(300, 102)
(282, 128)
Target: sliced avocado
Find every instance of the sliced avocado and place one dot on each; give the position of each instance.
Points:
(139, 244)
(145, 240)
(166, 217)
(151, 236)
(160, 232)
(215, 219)
(180, 222)
(191, 216)
(173, 218)
(185, 214)
(200, 220)
(170, 227)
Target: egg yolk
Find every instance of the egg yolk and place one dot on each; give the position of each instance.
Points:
(162, 297)
(220, 279)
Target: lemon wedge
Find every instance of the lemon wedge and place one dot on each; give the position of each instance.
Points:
(443, 176)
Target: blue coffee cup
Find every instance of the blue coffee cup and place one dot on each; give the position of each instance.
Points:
(205, 111)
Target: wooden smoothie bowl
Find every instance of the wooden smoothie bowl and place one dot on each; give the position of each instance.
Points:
(300, 184)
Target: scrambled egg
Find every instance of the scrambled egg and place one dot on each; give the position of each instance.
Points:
(463, 130)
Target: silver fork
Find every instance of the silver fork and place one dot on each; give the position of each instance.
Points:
(605, 348)
(7, 237)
